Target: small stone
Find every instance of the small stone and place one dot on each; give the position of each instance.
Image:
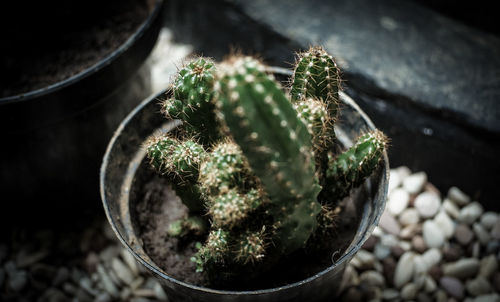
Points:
(103, 297)
(144, 292)
(18, 280)
(137, 283)
(372, 278)
(372, 293)
(382, 251)
(488, 298)
(130, 261)
(389, 267)
(409, 216)
(433, 236)
(369, 244)
(452, 252)
(122, 271)
(405, 245)
(389, 224)
(394, 180)
(389, 240)
(397, 251)
(106, 281)
(86, 284)
(441, 296)
(410, 231)
(415, 182)
(398, 201)
(125, 293)
(69, 288)
(430, 285)
(419, 279)
(365, 259)
(61, 276)
(404, 270)
(409, 291)
(91, 262)
(470, 213)
(423, 297)
(488, 220)
(495, 231)
(160, 293)
(350, 278)
(488, 266)
(390, 294)
(492, 247)
(418, 244)
(478, 286)
(481, 233)
(463, 268)
(457, 196)
(463, 234)
(427, 204)
(475, 249)
(450, 208)
(453, 287)
(445, 223)
(83, 296)
(431, 257)
(140, 299)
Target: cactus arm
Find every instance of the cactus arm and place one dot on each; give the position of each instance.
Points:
(250, 104)
(351, 168)
(192, 225)
(192, 92)
(316, 75)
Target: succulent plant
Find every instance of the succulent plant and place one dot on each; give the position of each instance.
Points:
(254, 157)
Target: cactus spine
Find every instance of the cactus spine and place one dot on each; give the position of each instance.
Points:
(273, 182)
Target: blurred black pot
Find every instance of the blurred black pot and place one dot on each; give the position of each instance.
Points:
(53, 138)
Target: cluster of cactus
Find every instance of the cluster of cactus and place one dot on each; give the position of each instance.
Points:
(257, 165)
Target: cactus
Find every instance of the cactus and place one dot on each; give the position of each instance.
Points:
(266, 172)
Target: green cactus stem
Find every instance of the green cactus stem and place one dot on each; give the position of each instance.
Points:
(192, 92)
(352, 167)
(316, 75)
(230, 209)
(214, 252)
(179, 158)
(253, 108)
(224, 168)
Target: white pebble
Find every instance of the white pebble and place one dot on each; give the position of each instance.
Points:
(451, 208)
(489, 219)
(433, 236)
(409, 291)
(470, 213)
(481, 233)
(431, 257)
(427, 204)
(415, 182)
(398, 201)
(394, 180)
(404, 270)
(459, 197)
(445, 223)
(462, 269)
(409, 216)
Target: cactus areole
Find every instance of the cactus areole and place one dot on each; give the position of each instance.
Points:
(257, 164)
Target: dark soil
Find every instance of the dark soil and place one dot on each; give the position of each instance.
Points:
(48, 41)
(157, 205)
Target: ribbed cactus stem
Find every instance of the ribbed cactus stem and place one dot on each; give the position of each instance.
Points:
(352, 167)
(214, 252)
(192, 93)
(230, 209)
(223, 169)
(314, 114)
(316, 75)
(277, 144)
(251, 247)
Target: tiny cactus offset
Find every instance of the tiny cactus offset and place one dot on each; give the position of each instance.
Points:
(261, 163)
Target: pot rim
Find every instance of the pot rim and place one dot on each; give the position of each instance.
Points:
(353, 248)
(89, 71)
